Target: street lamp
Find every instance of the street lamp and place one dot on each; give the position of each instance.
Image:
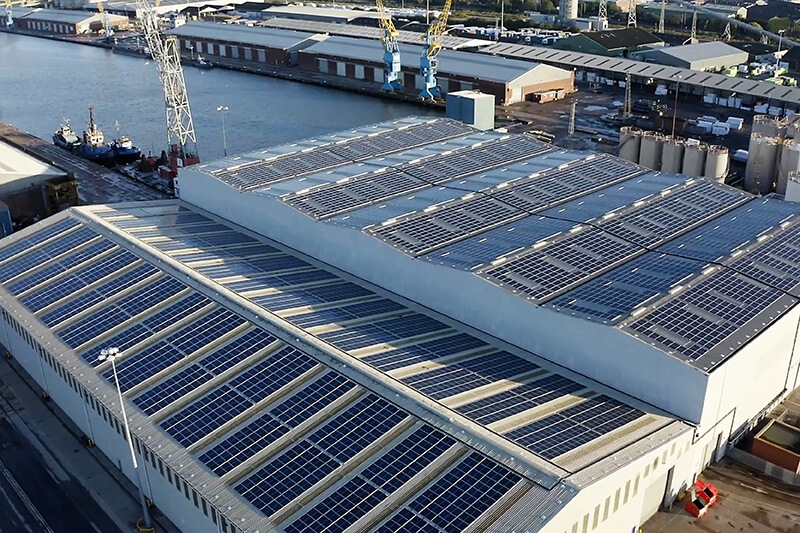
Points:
(110, 354)
(222, 110)
(678, 79)
(778, 53)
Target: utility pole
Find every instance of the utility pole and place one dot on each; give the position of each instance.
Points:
(631, 13)
(627, 107)
(693, 37)
(661, 19)
(602, 10)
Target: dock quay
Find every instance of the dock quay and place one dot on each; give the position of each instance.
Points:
(96, 184)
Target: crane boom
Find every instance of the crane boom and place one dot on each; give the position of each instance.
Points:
(106, 20)
(429, 60)
(166, 54)
(391, 50)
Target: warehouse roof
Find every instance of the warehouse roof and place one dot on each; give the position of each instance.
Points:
(235, 33)
(594, 237)
(699, 51)
(60, 15)
(622, 38)
(754, 48)
(706, 80)
(17, 165)
(408, 37)
(266, 379)
(451, 62)
(321, 12)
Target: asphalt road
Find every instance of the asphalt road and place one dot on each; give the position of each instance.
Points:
(38, 499)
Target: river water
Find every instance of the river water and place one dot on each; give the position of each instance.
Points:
(43, 81)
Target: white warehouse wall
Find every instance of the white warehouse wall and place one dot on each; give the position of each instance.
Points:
(600, 352)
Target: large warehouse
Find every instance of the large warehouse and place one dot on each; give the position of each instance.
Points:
(65, 22)
(710, 56)
(414, 327)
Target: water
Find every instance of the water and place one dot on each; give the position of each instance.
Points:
(43, 81)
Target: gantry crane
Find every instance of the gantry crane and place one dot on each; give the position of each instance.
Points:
(429, 60)
(106, 20)
(9, 16)
(391, 51)
(164, 51)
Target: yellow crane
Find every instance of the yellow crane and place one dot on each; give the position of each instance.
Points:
(9, 16)
(391, 51)
(429, 61)
(106, 20)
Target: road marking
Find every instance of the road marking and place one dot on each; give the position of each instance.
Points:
(24, 497)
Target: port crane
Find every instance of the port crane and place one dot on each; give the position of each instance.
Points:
(166, 54)
(391, 51)
(429, 60)
(106, 20)
(9, 16)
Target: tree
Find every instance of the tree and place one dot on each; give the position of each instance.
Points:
(756, 25)
(776, 24)
(547, 7)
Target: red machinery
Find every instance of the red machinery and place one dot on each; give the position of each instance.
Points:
(701, 497)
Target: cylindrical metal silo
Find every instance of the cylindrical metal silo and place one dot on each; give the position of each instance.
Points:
(650, 152)
(761, 171)
(694, 159)
(672, 155)
(717, 163)
(768, 126)
(630, 140)
(789, 163)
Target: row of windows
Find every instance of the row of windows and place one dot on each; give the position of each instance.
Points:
(248, 54)
(149, 457)
(50, 26)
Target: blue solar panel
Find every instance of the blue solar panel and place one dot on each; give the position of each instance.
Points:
(311, 296)
(163, 221)
(361, 335)
(228, 253)
(37, 238)
(423, 351)
(236, 351)
(454, 378)
(205, 415)
(775, 262)
(253, 266)
(720, 237)
(272, 373)
(341, 314)
(575, 426)
(616, 294)
(341, 509)
(456, 499)
(312, 459)
(276, 422)
(171, 389)
(180, 230)
(202, 241)
(283, 280)
(518, 399)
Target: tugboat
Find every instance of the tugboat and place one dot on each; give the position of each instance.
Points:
(123, 148)
(202, 63)
(93, 146)
(65, 137)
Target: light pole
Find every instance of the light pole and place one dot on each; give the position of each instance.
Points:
(110, 354)
(778, 53)
(222, 110)
(675, 108)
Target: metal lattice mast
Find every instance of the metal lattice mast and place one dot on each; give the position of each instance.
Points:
(602, 10)
(391, 51)
(628, 105)
(661, 18)
(429, 60)
(693, 36)
(164, 51)
(726, 35)
(631, 13)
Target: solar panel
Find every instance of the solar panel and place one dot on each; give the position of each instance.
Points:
(566, 430)
(205, 415)
(163, 221)
(518, 399)
(251, 267)
(357, 336)
(272, 373)
(202, 242)
(211, 227)
(364, 492)
(310, 460)
(341, 314)
(456, 499)
(432, 350)
(291, 298)
(276, 422)
(37, 238)
(461, 376)
(280, 281)
(300, 163)
(775, 262)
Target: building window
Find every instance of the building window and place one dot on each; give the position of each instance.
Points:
(616, 500)
(205, 507)
(186, 490)
(169, 475)
(224, 524)
(194, 498)
(161, 467)
(606, 508)
(214, 515)
(596, 517)
(627, 491)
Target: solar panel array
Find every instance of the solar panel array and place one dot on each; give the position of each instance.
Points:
(331, 199)
(253, 175)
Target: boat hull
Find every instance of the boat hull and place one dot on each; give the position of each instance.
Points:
(126, 155)
(103, 155)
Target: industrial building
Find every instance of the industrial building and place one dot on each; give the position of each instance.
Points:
(301, 349)
(611, 43)
(26, 186)
(710, 56)
(567, 10)
(322, 14)
(261, 45)
(759, 52)
(510, 81)
(65, 22)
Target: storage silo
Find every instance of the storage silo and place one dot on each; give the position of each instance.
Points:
(630, 141)
(789, 163)
(650, 152)
(762, 163)
(717, 163)
(672, 155)
(793, 188)
(768, 126)
(694, 159)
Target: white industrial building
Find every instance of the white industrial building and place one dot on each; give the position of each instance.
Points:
(414, 326)
(709, 56)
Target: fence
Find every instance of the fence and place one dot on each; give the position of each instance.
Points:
(770, 470)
